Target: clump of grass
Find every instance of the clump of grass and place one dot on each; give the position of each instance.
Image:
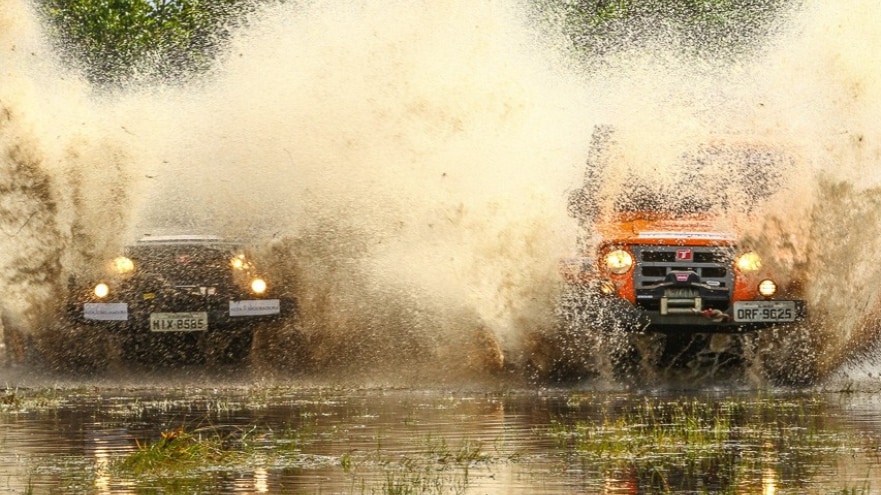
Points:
(435, 466)
(696, 444)
(181, 452)
(469, 452)
(10, 400)
(17, 400)
(698, 426)
(178, 450)
(862, 490)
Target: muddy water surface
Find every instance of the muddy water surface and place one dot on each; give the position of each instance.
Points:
(196, 435)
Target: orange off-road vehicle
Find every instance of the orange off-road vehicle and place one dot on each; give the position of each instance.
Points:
(679, 275)
(660, 252)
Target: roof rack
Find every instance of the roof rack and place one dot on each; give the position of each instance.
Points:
(181, 239)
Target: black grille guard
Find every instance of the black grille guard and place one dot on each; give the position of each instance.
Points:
(658, 289)
(685, 280)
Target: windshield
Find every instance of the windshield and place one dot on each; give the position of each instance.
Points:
(183, 265)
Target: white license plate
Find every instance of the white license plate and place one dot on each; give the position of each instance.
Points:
(105, 311)
(179, 322)
(764, 311)
(255, 307)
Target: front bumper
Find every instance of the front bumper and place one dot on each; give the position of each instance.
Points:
(614, 312)
(714, 321)
(211, 316)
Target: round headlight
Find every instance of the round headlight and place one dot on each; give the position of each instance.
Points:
(123, 265)
(749, 262)
(258, 286)
(618, 261)
(101, 290)
(238, 262)
(767, 288)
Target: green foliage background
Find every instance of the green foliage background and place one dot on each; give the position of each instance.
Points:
(116, 42)
(724, 29)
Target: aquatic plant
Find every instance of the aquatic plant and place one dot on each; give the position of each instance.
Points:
(177, 450)
(695, 443)
(16, 400)
(10, 400)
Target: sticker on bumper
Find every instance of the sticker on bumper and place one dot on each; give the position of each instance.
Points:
(255, 307)
(105, 311)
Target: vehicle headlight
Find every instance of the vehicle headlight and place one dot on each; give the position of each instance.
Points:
(238, 262)
(767, 288)
(749, 262)
(618, 261)
(101, 290)
(123, 265)
(258, 286)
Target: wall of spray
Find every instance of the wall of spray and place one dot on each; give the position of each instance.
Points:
(813, 91)
(417, 159)
(64, 172)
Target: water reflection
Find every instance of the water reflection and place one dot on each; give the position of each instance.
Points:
(336, 440)
(769, 481)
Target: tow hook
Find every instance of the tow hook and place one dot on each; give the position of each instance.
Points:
(716, 315)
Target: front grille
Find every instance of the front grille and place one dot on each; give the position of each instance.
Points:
(711, 265)
(669, 256)
(660, 271)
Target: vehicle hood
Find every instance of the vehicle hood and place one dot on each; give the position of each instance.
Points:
(653, 229)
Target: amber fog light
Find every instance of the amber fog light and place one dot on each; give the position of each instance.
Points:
(749, 262)
(767, 288)
(607, 287)
(101, 290)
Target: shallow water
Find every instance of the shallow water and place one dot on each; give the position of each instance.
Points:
(376, 135)
(299, 436)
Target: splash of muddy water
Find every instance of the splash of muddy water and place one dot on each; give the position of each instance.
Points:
(416, 161)
(418, 156)
(827, 94)
(422, 152)
(63, 170)
(814, 93)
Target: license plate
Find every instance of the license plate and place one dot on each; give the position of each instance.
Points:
(179, 322)
(764, 311)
